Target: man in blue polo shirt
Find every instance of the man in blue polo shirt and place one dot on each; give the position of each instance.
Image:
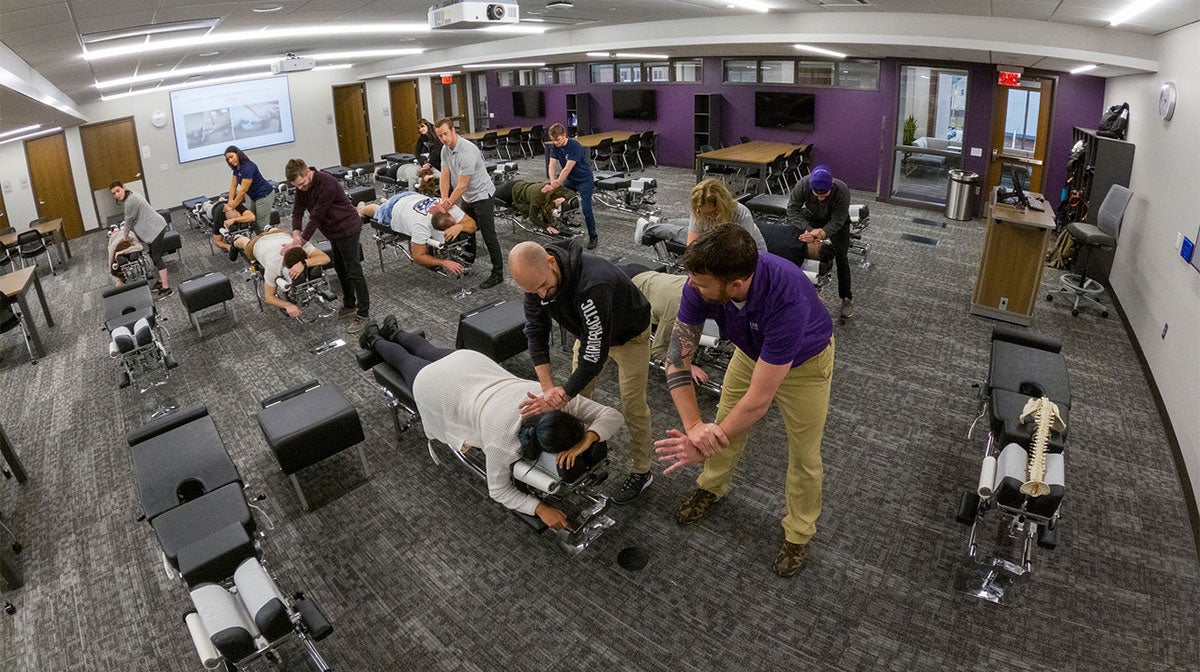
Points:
(568, 167)
(783, 335)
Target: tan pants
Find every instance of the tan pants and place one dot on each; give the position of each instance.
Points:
(633, 375)
(803, 401)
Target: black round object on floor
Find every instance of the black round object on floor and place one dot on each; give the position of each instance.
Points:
(632, 558)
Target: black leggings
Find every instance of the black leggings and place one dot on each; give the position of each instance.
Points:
(409, 354)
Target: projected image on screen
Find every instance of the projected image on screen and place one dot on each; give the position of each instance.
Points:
(250, 114)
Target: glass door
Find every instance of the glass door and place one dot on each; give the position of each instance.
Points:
(1020, 134)
(932, 117)
(480, 101)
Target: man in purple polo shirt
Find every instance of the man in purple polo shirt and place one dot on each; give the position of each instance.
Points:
(783, 335)
(329, 209)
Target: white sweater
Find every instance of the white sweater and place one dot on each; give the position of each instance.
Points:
(466, 399)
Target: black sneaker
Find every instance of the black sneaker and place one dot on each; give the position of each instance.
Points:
(162, 293)
(593, 241)
(370, 333)
(632, 487)
(492, 281)
(390, 328)
(233, 253)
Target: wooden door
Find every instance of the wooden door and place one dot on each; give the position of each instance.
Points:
(53, 183)
(405, 112)
(350, 119)
(4, 224)
(1021, 133)
(110, 152)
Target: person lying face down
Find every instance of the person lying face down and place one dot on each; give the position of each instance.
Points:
(467, 400)
(229, 219)
(423, 220)
(119, 245)
(534, 202)
(277, 256)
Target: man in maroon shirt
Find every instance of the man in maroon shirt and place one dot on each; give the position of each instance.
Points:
(329, 209)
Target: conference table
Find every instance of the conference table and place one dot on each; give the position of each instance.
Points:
(52, 228)
(500, 132)
(593, 140)
(751, 157)
(16, 285)
(1014, 254)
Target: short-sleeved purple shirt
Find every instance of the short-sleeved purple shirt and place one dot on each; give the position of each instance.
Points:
(782, 322)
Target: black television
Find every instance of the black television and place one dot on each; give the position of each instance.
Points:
(529, 104)
(786, 110)
(635, 104)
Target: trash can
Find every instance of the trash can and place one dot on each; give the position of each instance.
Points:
(962, 195)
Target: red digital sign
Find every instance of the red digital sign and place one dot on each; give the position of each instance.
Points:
(1010, 78)
(449, 79)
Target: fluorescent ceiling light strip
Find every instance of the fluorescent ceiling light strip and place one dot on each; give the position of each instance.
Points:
(256, 36)
(339, 66)
(365, 53)
(187, 85)
(48, 131)
(410, 75)
(630, 54)
(1083, 68)
(23, 129)
(485, 66)
(1134, 8)
(819, 50)
(155, 29)
(515, 29)
(748, 4)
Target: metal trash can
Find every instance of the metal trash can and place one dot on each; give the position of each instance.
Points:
(962, 195)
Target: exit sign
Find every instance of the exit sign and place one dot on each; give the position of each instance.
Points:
(449, 79)
(1010, 78)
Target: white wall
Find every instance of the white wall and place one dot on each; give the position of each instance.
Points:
(1155, 286)
(379, 114)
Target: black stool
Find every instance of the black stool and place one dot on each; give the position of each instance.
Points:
(204, 291)
(496, 329)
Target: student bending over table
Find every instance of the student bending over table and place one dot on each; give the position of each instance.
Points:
(422, 220)
(267, 250)
(227, 219)
(467, 400)
(530, 199)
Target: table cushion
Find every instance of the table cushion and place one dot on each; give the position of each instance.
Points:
(1005, 409)
(392, 381)
(309, 427)
(203, 291)
(1026, 370)
(496, 330)
(214, 558)
(200, 518)
(191, 455)
(769, 204)
(613, 183)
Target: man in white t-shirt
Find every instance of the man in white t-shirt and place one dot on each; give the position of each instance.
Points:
(414, 215)
(268, 251)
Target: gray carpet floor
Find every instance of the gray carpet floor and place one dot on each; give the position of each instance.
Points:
(419, 570)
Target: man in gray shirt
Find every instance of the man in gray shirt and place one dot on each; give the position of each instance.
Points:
(462, 166)
(148, 225)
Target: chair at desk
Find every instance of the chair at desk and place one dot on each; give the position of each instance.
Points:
(646, 145)
(31, 245)
(724, 173)
(489, 145)
(514, 143)
(534, 139)
(11, 318)
(603, 154)
(1102, 234)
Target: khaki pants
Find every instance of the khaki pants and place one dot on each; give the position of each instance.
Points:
(633, 375)
(803, 401)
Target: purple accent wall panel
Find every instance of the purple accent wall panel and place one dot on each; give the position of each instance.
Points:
(1078, 101)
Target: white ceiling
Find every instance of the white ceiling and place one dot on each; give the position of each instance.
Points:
(46, 33)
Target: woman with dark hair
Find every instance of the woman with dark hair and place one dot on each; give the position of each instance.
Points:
(429, 148)
(248, 182)
(467, 400)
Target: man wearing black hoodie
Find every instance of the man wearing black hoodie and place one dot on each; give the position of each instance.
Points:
(598, 304)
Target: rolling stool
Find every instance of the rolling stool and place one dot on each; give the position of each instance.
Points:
(204, 291)
(496, 329)
(308, 423)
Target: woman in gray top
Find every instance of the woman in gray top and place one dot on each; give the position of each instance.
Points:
(712, 204)
(148, 225)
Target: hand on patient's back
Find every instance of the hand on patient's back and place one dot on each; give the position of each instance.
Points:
(551, 516)
(677, 450)
(550, 400)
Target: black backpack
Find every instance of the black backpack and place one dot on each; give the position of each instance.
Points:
(1114, 122)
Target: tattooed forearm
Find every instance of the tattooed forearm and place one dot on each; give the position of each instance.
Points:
(685, 341)
(677, 379)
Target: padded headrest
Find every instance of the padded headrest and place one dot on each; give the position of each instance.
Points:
(166, 423)
(1026, 338)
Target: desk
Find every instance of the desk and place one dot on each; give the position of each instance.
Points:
(752, 157)
(1014, 254)
(15, 285)
(52, 228)
(591, 141)
(500, 132)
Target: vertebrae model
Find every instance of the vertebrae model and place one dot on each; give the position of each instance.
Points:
(1045, 414)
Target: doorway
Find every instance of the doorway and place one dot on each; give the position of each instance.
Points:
(405, 111)
(52, 180)
(110, 152)
(480, 100)
(450, 100)
(1021, 134)
(4, 223)
(932, 120)
(350, 121)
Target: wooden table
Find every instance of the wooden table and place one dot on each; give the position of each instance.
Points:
(52, 228)
(753, 157)
(591, 141)
(500, 132)
(16, 285)
(1014, 254)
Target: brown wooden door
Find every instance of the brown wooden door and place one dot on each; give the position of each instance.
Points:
(1021, 133)
(4, 223)
(110, 152)
(53, 183)
(405, 112)
(350, 119)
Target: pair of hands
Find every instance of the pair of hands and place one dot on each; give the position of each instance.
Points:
(551, 186)
(552, 399)
(702, 441)
(814, 236)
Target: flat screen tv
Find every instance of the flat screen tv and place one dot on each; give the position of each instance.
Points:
(529, 104)
(250, 114)
(635, 104)
(789, 111)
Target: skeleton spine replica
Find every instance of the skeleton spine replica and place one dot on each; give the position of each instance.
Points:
(1045, 414)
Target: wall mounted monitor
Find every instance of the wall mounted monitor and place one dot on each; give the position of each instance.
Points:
(641, 104)
(786, 110)
(250, 114)
(529, 104)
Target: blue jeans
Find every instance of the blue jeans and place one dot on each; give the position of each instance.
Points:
(585, 202)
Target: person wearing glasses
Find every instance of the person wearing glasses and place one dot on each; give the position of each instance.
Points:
(822, 204)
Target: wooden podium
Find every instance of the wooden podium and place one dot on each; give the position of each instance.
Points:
(1014, 254)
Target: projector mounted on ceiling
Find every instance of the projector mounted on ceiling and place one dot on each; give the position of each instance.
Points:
(293, 63)
(472, 14)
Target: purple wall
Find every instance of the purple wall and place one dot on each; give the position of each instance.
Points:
(854, 130)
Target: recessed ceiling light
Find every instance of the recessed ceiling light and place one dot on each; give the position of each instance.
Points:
(205, 54)
(819, 50)
(410, 75)
(186, 85)
(560, 4)
(1136, 7)
(484, 66)
(258, 36)
(23, 129)
(1083, 68)
(266, 9)
(35, 134)
(152, 29)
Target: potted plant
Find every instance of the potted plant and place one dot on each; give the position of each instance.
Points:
(910, 130)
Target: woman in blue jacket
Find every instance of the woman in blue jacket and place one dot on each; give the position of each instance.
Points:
(248, 183)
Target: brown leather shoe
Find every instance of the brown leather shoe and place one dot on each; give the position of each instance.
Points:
(790, 560)
(695, 506)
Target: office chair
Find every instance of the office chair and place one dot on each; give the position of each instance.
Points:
(31, 245)
(11, 319)
(1102, 234)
